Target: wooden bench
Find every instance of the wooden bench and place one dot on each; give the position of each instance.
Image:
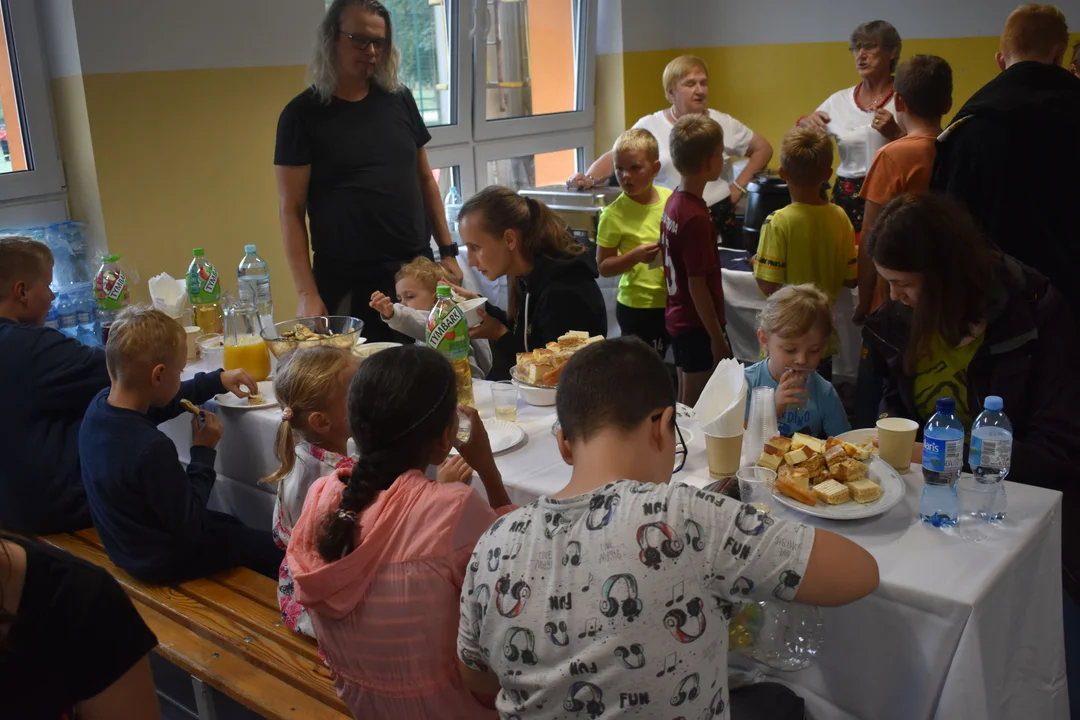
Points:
(226, 632)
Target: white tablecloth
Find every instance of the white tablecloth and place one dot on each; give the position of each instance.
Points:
(957, 629)
(742, 302)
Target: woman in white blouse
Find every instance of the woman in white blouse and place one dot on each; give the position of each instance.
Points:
(686, 86)
(861, 118)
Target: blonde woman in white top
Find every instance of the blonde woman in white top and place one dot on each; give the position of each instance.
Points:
(686, 87)
(861, 118)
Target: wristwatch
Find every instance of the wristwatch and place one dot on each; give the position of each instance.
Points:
(451, 250)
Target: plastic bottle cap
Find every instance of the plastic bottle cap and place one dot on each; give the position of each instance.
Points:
(249, 249)
(197, 252)
(110, 258)
(993, 403)
(946, 405)
(442, 291)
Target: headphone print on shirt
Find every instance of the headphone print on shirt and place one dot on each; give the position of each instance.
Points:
(601, 510)
(483, 599)
(573, 553)
(683, 694)
(670, 544)
(676, 620)
(695, 535)
(593, 705)
(752, 521)
(632, 658)
(789, 585)
(631, 604)
(513, 652)
(504, 590)
(557, 633)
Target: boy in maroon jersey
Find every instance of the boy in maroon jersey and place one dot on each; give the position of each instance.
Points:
(695, 304)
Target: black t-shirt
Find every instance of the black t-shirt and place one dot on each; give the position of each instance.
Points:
(75, 634)
(364, 200)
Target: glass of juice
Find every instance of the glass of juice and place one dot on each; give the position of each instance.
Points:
(244, 347)
(505, 397)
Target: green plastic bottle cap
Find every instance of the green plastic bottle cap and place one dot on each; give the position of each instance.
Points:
(197, 252)
(442, 291)
(110, 258)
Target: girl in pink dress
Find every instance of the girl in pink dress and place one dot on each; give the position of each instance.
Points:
(379, 553)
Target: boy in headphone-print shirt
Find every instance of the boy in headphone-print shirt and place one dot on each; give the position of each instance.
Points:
(613, 598)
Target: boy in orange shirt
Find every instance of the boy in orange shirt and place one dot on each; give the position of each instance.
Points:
(923, 87)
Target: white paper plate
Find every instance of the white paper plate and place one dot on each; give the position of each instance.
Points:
(892, 492)
(236, 403)
(502, 434)
(684, 412)
(858, 437)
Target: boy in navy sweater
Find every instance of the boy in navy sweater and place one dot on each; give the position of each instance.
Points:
(46, 381)
(150, 512)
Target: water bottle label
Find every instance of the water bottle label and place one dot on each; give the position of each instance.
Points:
(450, 335)
(944, 456)
(111, 290)
(202, 284)
(990, 453)
(68, 321)
(82, 317)
(52, 324)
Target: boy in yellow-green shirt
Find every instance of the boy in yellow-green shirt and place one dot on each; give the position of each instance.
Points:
(810, 240)
(627, 239)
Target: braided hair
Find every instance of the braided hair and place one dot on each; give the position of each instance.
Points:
(401, 401)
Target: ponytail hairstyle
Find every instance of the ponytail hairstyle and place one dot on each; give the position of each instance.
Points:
(401, 402)
(936, 237)
(542, 231)
(304, 384)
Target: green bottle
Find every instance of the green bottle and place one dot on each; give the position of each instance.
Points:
(448, 332)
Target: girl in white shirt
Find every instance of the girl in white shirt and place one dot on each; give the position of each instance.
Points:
(312, 442)
(861, 118)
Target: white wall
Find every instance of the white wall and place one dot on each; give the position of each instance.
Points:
(148, 35)
(654, 25)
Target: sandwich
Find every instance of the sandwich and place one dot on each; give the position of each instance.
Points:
(255, 398)
(864, 490)
(832, 492)
(796, 492)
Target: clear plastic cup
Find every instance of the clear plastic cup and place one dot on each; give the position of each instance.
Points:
(760, 426)
(464, 429)
(211, 350)
(801, 375)
(755, 486)
(504, 395)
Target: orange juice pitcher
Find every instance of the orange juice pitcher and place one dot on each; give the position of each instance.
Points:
(244, 346)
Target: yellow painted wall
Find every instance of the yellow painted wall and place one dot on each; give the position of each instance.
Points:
(185, 159)
(611, 117)
(768, 87)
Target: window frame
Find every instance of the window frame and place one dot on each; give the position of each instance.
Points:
(580, 140)
(484, 129)
(460, 83)
(46, 179)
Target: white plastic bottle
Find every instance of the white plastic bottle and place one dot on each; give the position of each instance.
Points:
(990, 455)
(253, 281)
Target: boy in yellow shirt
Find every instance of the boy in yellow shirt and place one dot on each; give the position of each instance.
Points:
(627, 239)
(810, 240)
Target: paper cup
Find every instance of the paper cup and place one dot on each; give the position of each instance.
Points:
(896, 439)
(723, 454)
(192, 348)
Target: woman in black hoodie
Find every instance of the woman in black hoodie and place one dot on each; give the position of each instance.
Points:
(967, 321)
(550, 278)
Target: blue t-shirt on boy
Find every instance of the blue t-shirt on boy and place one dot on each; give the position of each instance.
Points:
(823, 414)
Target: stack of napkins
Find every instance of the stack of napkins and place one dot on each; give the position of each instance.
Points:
(721, 409)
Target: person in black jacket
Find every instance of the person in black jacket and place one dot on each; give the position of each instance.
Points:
(552, 279)
(46, 381)
(1011, 153)
(968, 322)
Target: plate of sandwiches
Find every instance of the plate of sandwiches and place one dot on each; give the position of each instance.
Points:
(537, 372)
(265, 398)
(831, 478)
